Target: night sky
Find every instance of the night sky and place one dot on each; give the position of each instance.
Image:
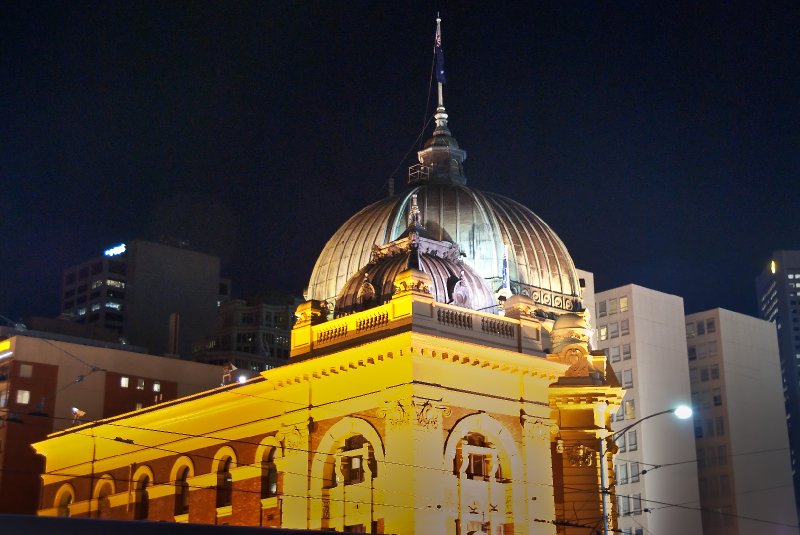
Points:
(658, 139)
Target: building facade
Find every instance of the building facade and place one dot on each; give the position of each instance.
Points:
(251, 334)
(414, 416)
(49, 383)
(642, 334)
(416, 400)
(742, 445)
(154, 295)
(778, 294)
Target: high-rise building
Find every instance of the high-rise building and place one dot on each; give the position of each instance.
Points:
(50, 382)
(157, 296)
(642, 334)
(251, 334)
(778, 294)
(743, 459)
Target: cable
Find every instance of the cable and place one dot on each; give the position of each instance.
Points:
(192, 435)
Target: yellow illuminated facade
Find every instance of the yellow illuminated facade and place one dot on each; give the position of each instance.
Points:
(411, 417)
(441, 381)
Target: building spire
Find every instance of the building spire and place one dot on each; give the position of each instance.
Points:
(437, 50)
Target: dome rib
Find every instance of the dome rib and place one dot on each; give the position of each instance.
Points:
(482, 224)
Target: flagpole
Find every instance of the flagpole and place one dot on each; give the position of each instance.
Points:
(439, 44)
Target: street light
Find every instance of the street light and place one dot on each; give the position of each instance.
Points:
(682, 412)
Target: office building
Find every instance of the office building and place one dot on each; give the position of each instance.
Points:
(154, 295)
(251, 334)
(740, 431)
(642, 333)
(50, 382)
(778, 293)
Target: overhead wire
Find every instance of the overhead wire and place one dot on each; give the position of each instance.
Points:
(570, 490)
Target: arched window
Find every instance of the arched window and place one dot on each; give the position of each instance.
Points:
(64, 500)
(269, 475)
(355, 454)
(103, 502)
(141, 508)
(224, 483)
(182, 491)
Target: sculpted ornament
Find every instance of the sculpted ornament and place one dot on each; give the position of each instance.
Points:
(426, 413)
(580, 455)
(395, 413)
(539, 428)
(292, 436)
(414, 286)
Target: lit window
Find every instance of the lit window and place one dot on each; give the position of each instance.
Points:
(624, 327)
(123, 382)
(111, 283)
(613, 330)
(269, 475)
(601, 309)
(82, 311)
(94, 307)
(138, 406)
(114, 306)
(96, 284)
(23, 397)
(603, 333)
(626, 351)
(140, 384)
(353, 466)
(26, 370)
(623, 303)
(156, 387)
(632, 441)
(630, 409)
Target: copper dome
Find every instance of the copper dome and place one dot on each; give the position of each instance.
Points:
(483, 225)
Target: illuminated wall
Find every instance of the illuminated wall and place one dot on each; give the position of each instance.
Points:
(411, 417)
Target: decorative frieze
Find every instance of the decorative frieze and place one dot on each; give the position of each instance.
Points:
(425, 413)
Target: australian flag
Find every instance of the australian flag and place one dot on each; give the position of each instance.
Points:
(439, 57)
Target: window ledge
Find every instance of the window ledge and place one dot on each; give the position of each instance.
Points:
(182, 519)
(226, 510)
(269, 503)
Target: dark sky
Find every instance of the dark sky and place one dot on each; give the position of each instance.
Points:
(660, 140)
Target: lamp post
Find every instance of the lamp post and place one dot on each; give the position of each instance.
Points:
(682, 412)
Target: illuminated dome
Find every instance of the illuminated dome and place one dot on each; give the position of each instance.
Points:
(449, 279)
(484, 226)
